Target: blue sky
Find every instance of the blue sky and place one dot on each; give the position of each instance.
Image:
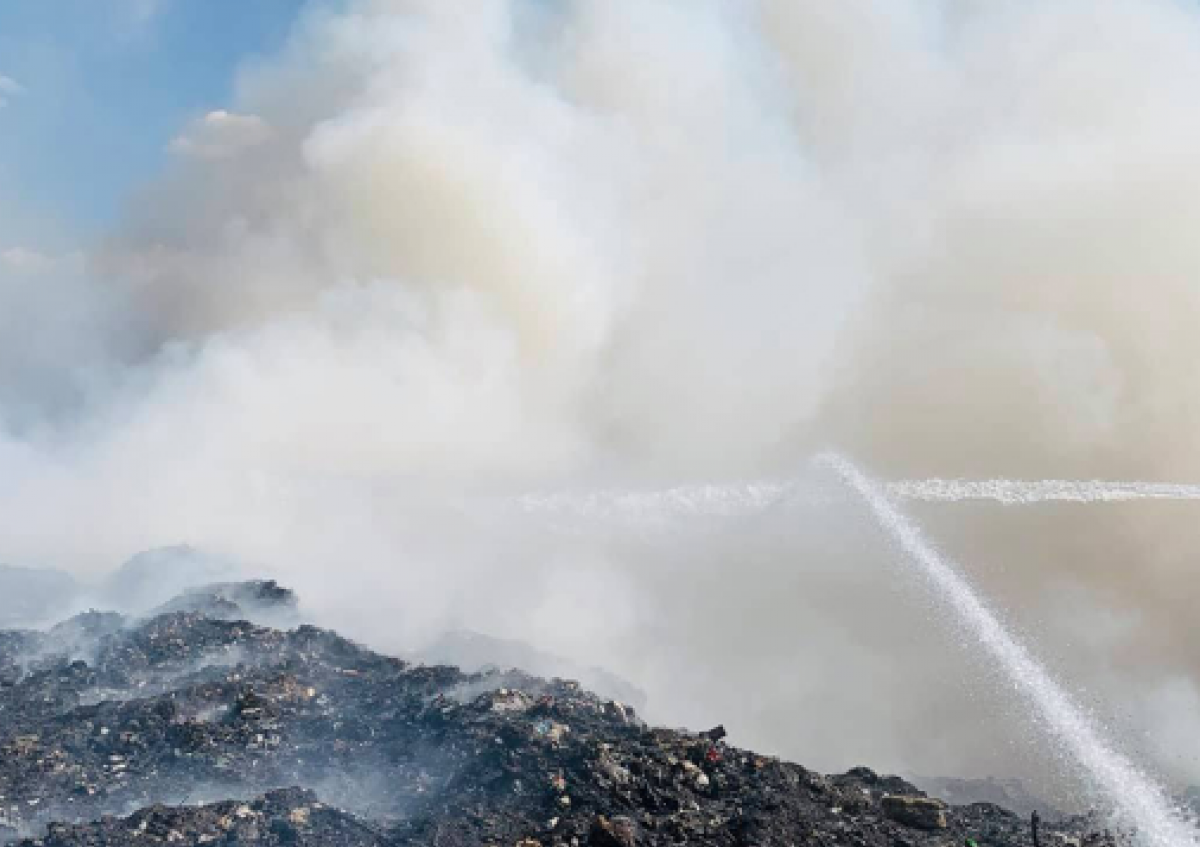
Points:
(97, 89)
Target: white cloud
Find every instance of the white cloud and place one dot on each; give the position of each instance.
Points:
(9, 88)
(143, 11)
(25, 261)
(220, 135)
(21, 259)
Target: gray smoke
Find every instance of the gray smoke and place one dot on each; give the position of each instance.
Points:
(437, 252)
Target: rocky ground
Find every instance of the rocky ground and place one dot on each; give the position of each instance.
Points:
(195, 726)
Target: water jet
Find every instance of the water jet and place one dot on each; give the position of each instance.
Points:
(1137, 801)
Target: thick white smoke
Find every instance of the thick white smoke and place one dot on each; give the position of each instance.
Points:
(440, 250)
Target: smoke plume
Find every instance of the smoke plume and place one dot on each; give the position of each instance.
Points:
(439, 254)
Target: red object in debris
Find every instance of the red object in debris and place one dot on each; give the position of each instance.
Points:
(713, 754)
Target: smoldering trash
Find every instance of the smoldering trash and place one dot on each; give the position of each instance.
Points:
(196, 725)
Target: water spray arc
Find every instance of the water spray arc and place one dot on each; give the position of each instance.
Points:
(752, 498)
(1021, 492)
(1137, 800)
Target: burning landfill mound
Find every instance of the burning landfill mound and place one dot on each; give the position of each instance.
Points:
(195, 725)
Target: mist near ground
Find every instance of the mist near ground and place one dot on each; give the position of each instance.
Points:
(436, 255)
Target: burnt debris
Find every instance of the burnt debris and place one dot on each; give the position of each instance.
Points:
(197, 726)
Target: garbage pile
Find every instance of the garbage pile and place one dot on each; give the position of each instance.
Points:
(197, 726)
(1012, 794)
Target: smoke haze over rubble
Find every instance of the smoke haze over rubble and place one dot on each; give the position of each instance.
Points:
(437, 254)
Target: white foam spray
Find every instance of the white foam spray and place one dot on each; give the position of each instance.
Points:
(1021, 492)
(654, 506)
(1138, 802)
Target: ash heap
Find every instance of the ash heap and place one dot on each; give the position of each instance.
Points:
(219, 720)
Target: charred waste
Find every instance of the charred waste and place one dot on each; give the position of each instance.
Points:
(220, 719)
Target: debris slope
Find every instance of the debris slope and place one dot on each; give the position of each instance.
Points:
(197, 725)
